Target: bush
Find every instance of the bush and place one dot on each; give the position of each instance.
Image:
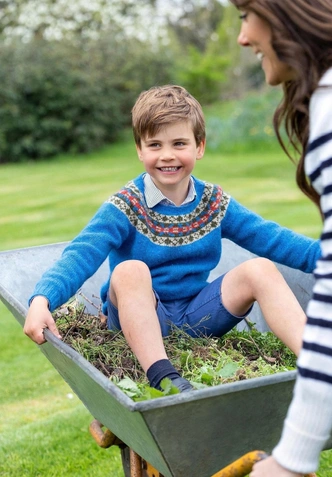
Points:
(60, 96)
(248, 125)
(203, 75)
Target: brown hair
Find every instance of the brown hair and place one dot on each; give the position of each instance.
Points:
(161, 106)
(302, 39)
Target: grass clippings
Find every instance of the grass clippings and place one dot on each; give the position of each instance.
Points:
(204, 361)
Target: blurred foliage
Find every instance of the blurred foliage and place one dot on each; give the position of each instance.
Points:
(59, 19)
(203, 74)
(246, 125)
(193, 22)
(75, 93)
(210, 74)
(65, 96)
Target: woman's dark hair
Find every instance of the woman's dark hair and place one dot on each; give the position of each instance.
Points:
(302, 39)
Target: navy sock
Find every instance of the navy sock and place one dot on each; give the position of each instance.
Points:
(159, 370)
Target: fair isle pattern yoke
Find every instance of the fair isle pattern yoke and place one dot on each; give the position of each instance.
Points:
(173, 230)
(124, 228)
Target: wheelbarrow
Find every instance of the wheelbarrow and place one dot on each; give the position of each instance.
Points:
(193, 434)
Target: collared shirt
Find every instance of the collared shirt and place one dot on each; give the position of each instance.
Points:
(154, 196)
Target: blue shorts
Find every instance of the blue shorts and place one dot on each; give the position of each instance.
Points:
(203, 315)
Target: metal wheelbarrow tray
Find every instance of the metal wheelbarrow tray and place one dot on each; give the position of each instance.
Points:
(193, 434)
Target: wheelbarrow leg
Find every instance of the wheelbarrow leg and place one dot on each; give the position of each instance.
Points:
(106, 438)
(135, 464)
(131, 461)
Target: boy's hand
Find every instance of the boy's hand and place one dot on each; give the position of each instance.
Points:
(38, 318)
(270, 468)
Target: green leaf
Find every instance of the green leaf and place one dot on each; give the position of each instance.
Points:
(228, 370)
(207, 378)
(196, 385)
(168, 388)
(129, 385)
(154, 393)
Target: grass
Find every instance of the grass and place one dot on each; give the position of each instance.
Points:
(51, 201)
(204, 361)
(43, 427)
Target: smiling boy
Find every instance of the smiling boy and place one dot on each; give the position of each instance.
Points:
(162, 235)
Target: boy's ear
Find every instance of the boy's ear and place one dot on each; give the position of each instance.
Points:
(139, 152)
(201, 149)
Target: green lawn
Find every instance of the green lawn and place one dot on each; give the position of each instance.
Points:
(43, 427)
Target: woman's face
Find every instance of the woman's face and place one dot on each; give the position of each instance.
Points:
(256, 33)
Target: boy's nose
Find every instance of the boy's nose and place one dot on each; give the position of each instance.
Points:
(242, 39)
(167, 154)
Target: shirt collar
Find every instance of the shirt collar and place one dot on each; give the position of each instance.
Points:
(154, 196)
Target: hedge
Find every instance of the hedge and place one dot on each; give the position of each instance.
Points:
(59, 96)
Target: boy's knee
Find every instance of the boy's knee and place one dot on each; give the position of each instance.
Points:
(130, 269)
(265, 267)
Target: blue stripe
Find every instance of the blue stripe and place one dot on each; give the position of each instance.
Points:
(307, 373)
(319, 141)
(326, 258)
(326, 235)
(322, 298)
(327, 214)
(317, 348)
(316, 173)
(319, 322)
(327, 190)
(326, 163)
(322, 276)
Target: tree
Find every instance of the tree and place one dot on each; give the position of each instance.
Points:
(58, 19)
(193, 21)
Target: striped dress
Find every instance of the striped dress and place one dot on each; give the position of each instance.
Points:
(309, 421)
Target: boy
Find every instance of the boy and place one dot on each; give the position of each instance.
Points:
(162, 234)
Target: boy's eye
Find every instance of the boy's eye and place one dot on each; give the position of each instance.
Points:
(243, 16)
(154, 144)
(179, 143)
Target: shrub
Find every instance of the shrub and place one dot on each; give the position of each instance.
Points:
(248, 125)
(60, 96)
(203, 74)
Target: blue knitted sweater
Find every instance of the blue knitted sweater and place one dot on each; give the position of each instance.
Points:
(179, 244)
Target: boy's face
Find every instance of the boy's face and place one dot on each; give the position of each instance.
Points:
(170, 156)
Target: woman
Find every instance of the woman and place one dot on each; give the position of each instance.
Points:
(293, 41)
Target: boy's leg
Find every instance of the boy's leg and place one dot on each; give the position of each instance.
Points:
(131, 292)
(260, 280)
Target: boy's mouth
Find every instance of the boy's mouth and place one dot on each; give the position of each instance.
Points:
(169, 169)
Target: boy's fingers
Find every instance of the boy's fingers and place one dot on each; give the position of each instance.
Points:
(52, 327)
(37, 337)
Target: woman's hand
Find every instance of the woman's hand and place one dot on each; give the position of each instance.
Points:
(270, 468)
(38, 318)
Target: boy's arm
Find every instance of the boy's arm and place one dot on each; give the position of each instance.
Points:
(268, 239)
(82, 257)
(38, 318)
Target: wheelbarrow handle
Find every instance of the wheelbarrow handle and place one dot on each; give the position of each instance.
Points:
(104, 438)
(243, 466)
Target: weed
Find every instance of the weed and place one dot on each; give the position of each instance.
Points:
(204, 361)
